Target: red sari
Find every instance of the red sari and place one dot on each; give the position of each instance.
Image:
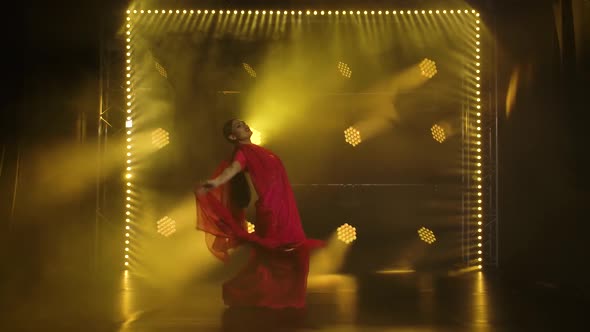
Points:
(276, 273)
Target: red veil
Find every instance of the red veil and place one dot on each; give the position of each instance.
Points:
(216, 217)
(276, 211)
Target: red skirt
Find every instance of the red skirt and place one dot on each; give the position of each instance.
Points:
(272, 278)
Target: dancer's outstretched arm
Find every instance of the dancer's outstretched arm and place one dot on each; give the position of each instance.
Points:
(228, 173)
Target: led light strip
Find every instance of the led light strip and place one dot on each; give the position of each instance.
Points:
(300, 12)
(129, 143)
(478, 147)
(129, 83)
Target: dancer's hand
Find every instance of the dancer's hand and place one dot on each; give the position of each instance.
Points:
(205, 187)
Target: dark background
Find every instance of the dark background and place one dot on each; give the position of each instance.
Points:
(542, 153)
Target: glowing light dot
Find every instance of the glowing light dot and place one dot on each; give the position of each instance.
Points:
(426, 235)
(346, 233)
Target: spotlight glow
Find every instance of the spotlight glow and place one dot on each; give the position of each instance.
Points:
(346, 233)
(438, 133)
(166, 226)
(426, 235)
(161, 70)
(160, 138)
(344, 69)
(249, 69)
(352, 136)
(250, 227)
(256, 137)
(428, 68)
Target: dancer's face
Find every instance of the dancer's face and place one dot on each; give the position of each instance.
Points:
(240, 131)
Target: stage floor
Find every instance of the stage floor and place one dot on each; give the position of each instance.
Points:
(377, 302)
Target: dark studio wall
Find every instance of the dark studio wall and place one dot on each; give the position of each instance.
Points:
(542, 182)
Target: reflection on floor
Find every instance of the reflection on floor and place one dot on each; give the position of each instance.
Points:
(403, 301)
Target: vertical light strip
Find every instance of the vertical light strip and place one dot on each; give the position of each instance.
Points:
(129, 139)
(478, 146)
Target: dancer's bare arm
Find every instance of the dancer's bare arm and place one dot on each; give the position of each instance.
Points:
(228, 173)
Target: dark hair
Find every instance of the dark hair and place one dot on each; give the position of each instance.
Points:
(239, 190)
(228, 129)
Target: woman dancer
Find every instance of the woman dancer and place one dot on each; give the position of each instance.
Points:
(276, 273)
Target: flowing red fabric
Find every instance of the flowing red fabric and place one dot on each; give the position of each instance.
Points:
(276, 273)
